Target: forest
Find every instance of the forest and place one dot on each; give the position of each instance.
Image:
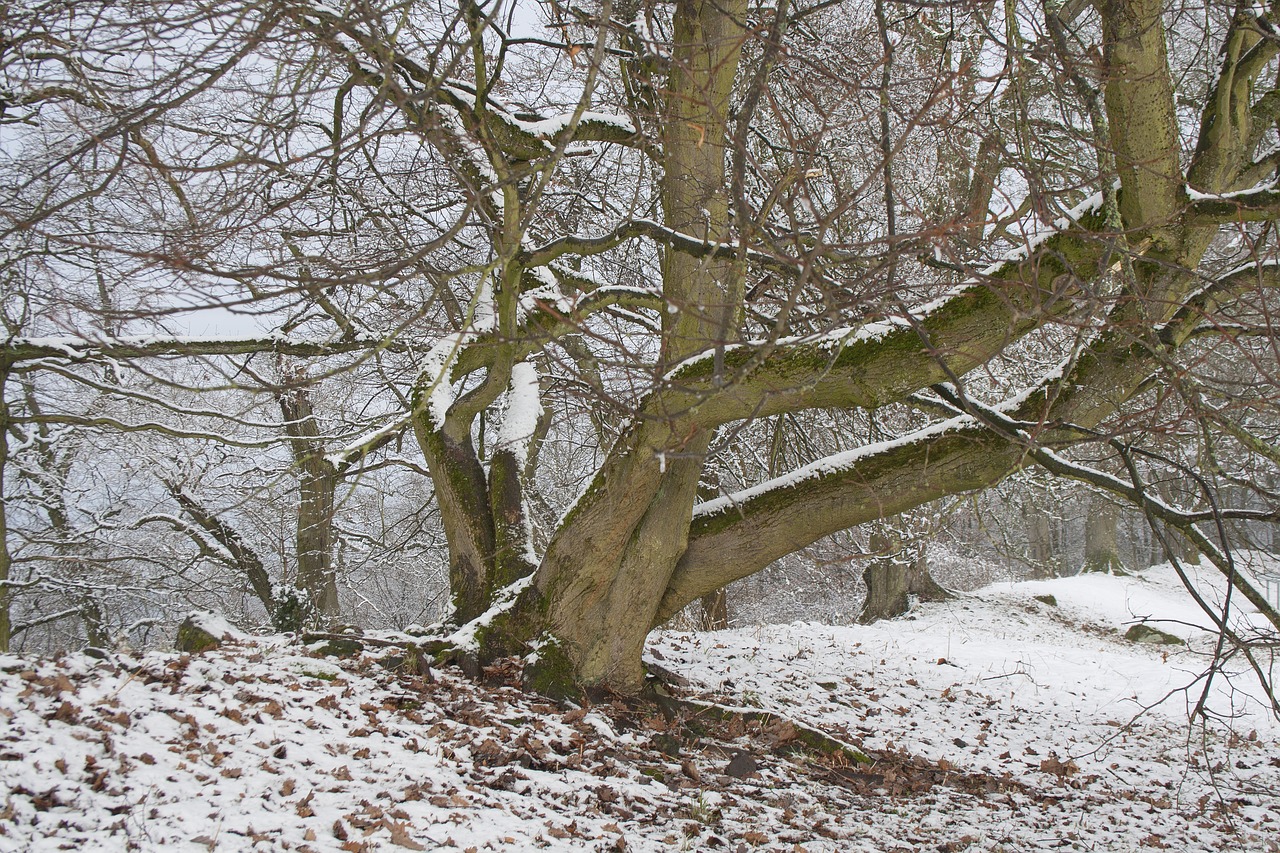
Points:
(534, 326)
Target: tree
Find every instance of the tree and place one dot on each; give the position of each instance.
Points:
(699, 215)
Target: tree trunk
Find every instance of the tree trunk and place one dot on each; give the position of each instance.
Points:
(715, 610)
(606, 569)
(900, 573)
(1039, 543)
(6, 596)
(317, 487)
(1101, 542)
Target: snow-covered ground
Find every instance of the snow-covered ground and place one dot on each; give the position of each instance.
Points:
(998, 722)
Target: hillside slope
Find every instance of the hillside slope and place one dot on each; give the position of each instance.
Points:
(997, 721)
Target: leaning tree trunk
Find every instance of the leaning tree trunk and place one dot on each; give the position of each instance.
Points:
(284, 607)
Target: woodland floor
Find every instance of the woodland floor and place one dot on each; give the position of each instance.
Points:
(996, 722)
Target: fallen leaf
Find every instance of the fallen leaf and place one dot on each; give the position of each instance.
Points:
(400, 835)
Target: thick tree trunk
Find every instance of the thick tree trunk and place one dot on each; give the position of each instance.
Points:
(1101, 540)
(606, 569)
(900, 573)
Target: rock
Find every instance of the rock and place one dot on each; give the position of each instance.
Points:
(333, 645)
(1046, 599)
(203, 630)
(1147, 635)
(742, 766)
(194, 639)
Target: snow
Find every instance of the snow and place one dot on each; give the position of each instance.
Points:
(524, 407)
(996, 721)
(468, 636)
(440, 359)
(548, 128)
(1264, 188)
(1091, 204)
(215, 625)
(830, 465)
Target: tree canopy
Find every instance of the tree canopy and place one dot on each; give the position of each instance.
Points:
(584, 254)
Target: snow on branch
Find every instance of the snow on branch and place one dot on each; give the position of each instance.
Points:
(835, 464)
(365, 444)
(524, 408)
(80, 349)
(1256, 204)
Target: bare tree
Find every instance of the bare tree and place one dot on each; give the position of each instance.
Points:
(699, 216)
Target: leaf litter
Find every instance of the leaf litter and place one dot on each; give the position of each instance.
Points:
(993, 722)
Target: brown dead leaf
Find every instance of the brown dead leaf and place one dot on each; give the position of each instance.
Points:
(303, 806)
(67, 713)
(783, 731)
(286, 790)
(400, 835)
(1058, 768)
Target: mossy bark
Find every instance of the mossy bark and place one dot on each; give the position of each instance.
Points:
(461, 492)
(317, 489)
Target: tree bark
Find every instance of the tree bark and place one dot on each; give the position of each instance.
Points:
(1101, 540)
(6, 594)
(898, 574)
(1039, 543)
(715, 610)
(606, 568)
(317, 488)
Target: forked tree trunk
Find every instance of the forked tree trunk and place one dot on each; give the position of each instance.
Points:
(606, 570)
